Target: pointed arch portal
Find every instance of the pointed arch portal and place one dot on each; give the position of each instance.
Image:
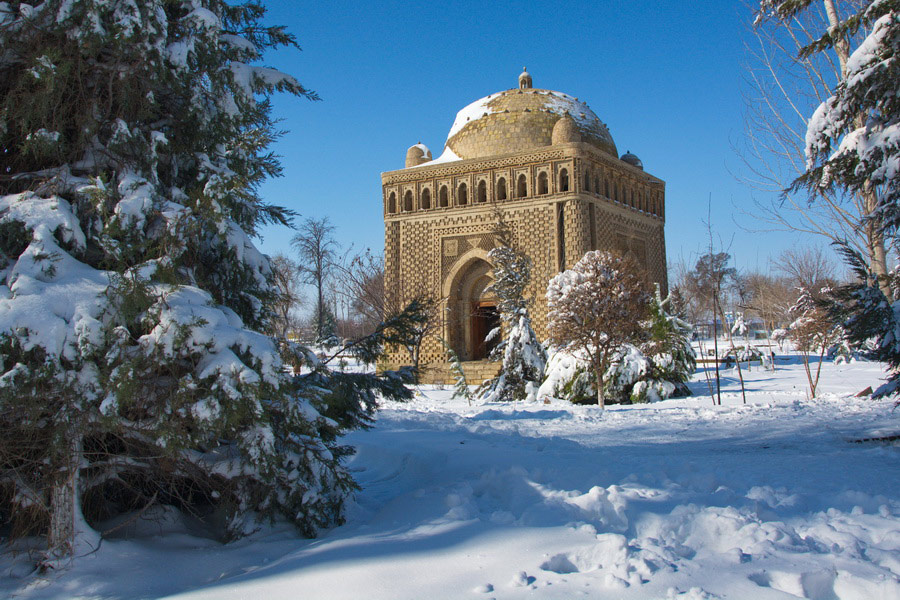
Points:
(471, 309)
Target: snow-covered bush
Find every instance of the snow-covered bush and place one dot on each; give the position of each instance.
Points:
(744, 353)
(596, 308)
(628, 379)
(134, 140)
(658, 368)
(779, 336)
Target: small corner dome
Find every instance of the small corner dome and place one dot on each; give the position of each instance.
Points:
(632, 160)
(565, 131)
(417, 154)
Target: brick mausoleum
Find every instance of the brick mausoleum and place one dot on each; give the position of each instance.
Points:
(552, 167)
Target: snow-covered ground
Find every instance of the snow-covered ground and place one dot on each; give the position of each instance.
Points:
(679, 499)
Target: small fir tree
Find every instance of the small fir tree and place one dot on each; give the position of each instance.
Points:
(672, 358)
(460, 384)
(523, 356)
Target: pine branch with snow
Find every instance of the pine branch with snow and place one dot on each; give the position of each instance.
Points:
(853, 137)
(869, 321)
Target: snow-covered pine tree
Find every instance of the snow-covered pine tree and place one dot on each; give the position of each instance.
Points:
(869, 321)
(853, 138)
(133, 139)
(672, 359)
(853, 142)
(524, 357)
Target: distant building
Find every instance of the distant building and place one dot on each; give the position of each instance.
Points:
(552, 167)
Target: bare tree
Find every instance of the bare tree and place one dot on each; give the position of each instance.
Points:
(784, 87)
(597, 307)
(806, 267)
(317, 248)
(360, 282)
(286, 280)
(770, 298)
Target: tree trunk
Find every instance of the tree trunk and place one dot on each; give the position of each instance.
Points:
(320, 303)
(874, 238)
(64, 505)
(841, 46)
(877, 251)
(601, 401)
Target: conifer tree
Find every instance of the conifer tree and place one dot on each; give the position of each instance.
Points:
(524, 357)
(668, 348)
(853, 143)
(853, 138)
(133, 139)
(869, 321)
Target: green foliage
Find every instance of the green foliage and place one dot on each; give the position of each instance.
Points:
(138, 134)
(14, 238)
(668, 348)
(523, 355)
(460, 385)
(868, 318)
(350, 399)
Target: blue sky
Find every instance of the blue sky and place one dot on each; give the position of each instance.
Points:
(665, 76)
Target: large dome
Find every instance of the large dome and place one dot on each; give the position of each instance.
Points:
(522, 119)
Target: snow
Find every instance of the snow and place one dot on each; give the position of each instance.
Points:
(676, 499)
(423, 148)
(446, 156)
(556, 102)
(473, 111)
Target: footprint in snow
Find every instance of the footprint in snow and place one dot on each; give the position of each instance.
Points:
(522, 579)
(484, 589)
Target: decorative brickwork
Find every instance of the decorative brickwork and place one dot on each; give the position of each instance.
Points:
(578, 197)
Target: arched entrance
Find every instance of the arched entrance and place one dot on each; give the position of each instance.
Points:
(472, 310)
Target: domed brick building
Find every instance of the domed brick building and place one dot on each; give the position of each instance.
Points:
(551, 166)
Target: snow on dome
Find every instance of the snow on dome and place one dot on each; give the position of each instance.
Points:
(522, 119)
(417, 154)
(473, 111)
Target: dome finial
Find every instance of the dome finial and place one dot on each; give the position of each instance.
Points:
(524, 80)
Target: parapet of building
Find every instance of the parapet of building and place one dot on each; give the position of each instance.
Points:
(551, 166)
